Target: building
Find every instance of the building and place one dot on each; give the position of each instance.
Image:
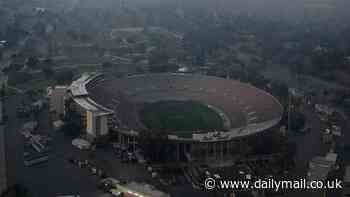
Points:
(140, 190)
(56, 96)
(95, 118)
(319, 169)
(324, 109)
(57, 125)
(108, 104)
(134, 189)
(320, 166)
(346, 182)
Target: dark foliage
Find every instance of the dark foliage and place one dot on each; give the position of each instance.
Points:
(64, 77)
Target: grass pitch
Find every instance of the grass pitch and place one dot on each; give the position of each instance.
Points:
(180, 116)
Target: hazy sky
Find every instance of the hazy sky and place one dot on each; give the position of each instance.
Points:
(325, 8)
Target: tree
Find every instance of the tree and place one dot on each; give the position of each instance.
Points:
(167, 67)
(73, 124)
(32, 62)
(48, 62)
(281, 90)
(16, 190)
(158, 57)
(48, 72)
(106, 65)
(19, 78)
(297, 120)
(3, 91)
(64, 77)
(32, 94)
(14, 67)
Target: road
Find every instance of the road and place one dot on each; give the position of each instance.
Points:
(58, 176)
(3, 171)
(51, 179)
(14, 143)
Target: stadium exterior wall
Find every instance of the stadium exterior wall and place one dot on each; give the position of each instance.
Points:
(203, 147)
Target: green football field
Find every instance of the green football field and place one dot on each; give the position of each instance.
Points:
(180, 116)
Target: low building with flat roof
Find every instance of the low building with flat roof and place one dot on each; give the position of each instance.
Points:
(56, 96)
(141, 190)
(320, 166)
(346, 182)
(134, 189)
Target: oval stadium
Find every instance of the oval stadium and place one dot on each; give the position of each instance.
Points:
(202, 117)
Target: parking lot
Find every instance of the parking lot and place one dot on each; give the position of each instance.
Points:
(59, 176)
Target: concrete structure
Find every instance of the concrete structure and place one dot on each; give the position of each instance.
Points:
(319, 166)
(57, 95)
(324, 109)
(58, 124)
(95, 117)
(81, 143)
(134, 189)
(346, 182)
(141, 190)
(245, 110)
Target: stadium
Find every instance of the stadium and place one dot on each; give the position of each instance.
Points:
(227, 112)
